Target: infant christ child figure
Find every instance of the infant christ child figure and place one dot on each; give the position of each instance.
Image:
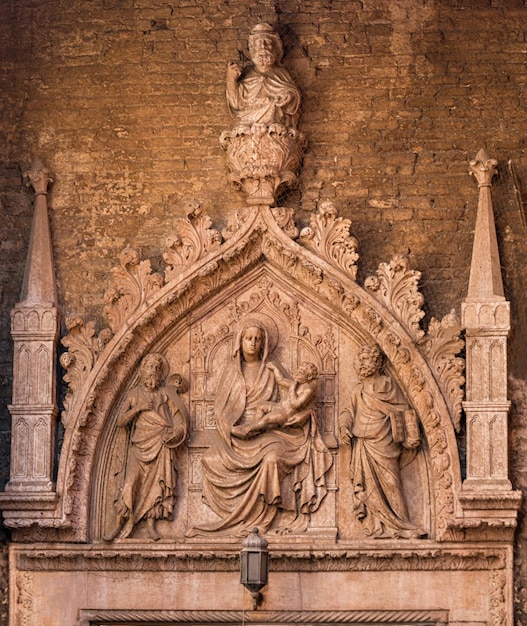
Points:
(294, 410)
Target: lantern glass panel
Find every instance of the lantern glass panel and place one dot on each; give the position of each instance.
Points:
(253, 567)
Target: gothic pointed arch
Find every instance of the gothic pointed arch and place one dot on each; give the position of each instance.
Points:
(252, 269)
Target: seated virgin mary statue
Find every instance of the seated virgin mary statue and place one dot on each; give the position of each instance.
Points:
(265, 93)
(248, 478)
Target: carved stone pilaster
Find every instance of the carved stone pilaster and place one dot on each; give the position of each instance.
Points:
(34, 328)
(486, 318)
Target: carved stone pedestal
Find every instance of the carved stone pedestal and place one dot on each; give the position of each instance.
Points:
(263, 160)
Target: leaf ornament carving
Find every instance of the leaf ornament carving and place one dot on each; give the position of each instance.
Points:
(134, 283)
(236, 221)
(397, 287)
(442, 344)
(193, 240)
(328, 235)
(83, 348)
(285, 219)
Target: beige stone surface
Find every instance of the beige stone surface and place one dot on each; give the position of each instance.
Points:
(469, 599)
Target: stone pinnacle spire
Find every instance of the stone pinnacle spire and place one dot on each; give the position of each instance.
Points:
(39, 279)
(485, 283)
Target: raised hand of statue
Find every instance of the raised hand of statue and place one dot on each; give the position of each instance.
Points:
(234, 71)
(345, 428)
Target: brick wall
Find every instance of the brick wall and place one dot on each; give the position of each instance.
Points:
(124, 101)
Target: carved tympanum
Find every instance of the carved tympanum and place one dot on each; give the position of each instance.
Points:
(264, 148)
(157, 424)
(384, 435)
(267, 456)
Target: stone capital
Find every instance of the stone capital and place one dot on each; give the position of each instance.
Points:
(38, 177)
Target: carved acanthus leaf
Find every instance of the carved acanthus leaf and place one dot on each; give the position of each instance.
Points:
(329, 236)
(396, 285)
(193, 240)
(285, 219)
(263, 159)
(134, 283)
(236, 220)
(441, 345)
(83, 348)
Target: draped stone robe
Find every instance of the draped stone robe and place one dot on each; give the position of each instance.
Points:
(256, 99)
(247, 481)
(379, 501)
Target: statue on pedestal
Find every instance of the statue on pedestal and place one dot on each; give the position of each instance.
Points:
(264, 148)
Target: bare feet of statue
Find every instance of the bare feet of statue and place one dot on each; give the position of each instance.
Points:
(113, 534)
(127, 530)
(151, 526)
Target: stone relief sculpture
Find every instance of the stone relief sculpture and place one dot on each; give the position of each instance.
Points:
(384, 435)
(157, 421)
(297, 406)
(264, 148)
(259, 466)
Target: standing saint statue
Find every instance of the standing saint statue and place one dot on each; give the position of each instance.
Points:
(384, 435)
(157, 421)
(265, 93)
(253, 471)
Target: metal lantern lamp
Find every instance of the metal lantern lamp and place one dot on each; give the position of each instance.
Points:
(254, 565)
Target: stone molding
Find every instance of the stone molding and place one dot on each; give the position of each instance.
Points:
(141, 557)
(396, 618)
